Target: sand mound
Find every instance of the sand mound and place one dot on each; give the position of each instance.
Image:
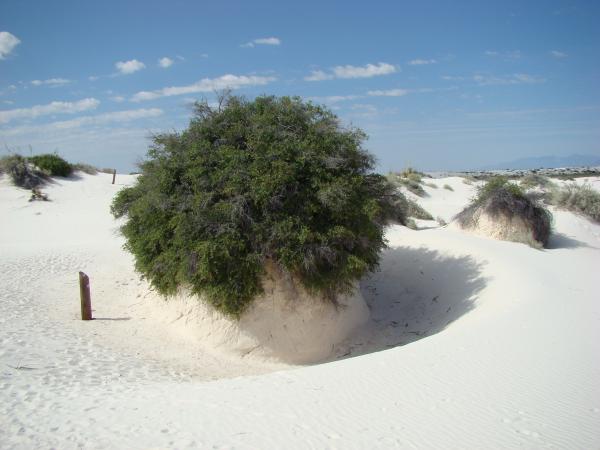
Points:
(502, 211)
(501, 227)
(286, 323)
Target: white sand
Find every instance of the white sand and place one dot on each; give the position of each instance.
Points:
(501, 344)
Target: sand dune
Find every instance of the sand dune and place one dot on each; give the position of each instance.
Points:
(471, 343)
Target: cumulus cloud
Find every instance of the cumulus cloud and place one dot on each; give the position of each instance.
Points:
(388, 93)
(558, 54)
(227, 81)
(100, 119)
(421, 62)
(368, 71)
(8, 42)
(128, 67)
(318, 75)
(165, 62)
(348, 71)
(262, 41)
(51, 82)
(51, 108)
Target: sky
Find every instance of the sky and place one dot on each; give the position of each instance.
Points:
(437, 85)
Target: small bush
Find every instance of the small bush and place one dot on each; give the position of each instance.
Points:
(273, 180)
(534, 180)
(410, 223)
(581, 199)
(52, 164)
(85, 168)
(417, 211)
(441, 222)
(36, 194)
(412, 174)
(410, 179)
(431, 185)
(21, 172)
(448, 187)
(499, 197)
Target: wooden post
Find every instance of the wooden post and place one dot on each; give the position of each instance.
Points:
(114, 175)
(84, 293)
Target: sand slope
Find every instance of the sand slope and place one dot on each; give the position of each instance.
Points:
(472, 343)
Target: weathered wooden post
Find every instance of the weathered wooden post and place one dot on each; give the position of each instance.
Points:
(84, 293)
(114, 175)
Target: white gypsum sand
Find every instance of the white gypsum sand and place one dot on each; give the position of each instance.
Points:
(472, 343)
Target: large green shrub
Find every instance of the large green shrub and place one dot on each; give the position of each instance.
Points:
(52, 164)
(273, 180)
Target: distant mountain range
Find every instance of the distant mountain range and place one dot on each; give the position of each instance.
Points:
(538, 162)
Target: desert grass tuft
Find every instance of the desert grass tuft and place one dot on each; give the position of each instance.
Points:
(581, 199)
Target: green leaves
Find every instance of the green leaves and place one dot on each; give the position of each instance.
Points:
(52, 164)
(272, 180)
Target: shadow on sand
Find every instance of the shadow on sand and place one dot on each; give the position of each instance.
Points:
(560, 240)
(415, 293)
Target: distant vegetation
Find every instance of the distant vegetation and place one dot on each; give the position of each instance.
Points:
(22, 172)
(417, 211)
(410, 179)
(448, 187)
(52, 164)
(35, 171)
(271, 181)
(501, 199)
(534, 180)
(85, 168)
(581, 199)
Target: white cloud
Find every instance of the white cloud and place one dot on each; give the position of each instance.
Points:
(128, 67)
(118, 98)
(262, 41)
(517, 78)
(51, 82)
(51, 108)
(116, 116)
(368, 71)
(8, 89)
(389, 93)
(507, 56)
(318, 75)
(452, 78)
(228, 81)
(558, 54)
(93, 77)
(8, 42)
(165, 62)
(100, 119)
(421, 62)
(334, 98)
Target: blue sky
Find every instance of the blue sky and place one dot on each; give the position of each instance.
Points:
(435, 84)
